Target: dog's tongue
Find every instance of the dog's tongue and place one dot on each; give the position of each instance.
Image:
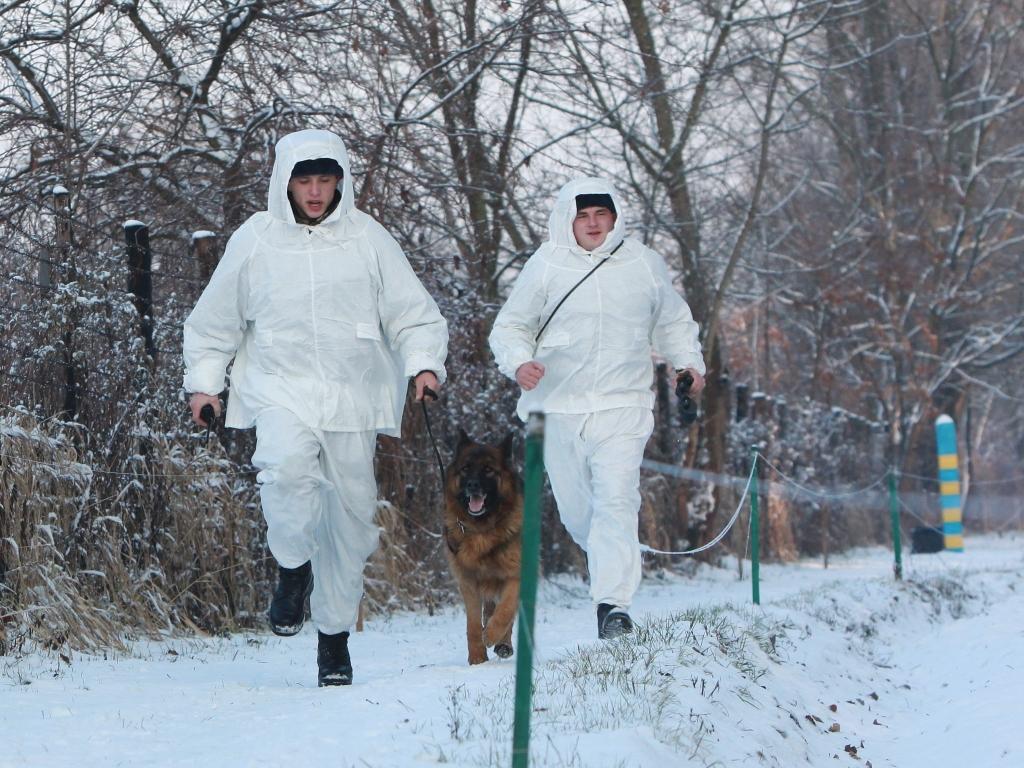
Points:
(476, 503)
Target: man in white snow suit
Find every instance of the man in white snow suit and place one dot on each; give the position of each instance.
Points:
(588, 367)
(326, 322)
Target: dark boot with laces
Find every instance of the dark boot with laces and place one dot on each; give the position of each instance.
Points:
(612, 622)
(334, 665)
(288, 608)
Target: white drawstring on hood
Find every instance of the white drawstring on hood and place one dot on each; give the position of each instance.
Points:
(564, 212)
(307, 145)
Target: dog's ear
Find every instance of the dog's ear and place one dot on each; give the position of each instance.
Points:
(506, 448)
(463, 439)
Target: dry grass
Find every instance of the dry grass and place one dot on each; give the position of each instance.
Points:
(92, 552)
(165, 535)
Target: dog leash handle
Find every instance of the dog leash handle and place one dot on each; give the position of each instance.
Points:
(687, 406)
(208, 415)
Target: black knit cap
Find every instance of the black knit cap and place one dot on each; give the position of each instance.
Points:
(595, 200)
(321, 166)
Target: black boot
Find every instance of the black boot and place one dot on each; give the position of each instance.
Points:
(288, 608)
(612, 621)
(334, 665)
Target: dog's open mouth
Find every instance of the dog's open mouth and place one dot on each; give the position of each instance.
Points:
(476, 504)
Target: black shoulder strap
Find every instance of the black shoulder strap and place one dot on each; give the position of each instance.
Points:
(569, 292)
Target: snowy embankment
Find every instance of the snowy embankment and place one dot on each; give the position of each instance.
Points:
(837, 666)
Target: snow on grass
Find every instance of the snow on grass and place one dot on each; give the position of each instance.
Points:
(843, 666)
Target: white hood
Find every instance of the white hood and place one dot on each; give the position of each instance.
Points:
(564, 211)
(307, 145)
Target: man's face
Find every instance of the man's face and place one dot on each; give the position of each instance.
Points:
(591, 226)
(313, 193)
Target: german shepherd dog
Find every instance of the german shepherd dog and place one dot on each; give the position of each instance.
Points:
(482, 527)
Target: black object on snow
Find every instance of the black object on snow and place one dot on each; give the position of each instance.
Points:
(926, 540)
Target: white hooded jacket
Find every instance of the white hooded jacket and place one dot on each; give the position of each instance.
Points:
(328, 321)
(597, 348)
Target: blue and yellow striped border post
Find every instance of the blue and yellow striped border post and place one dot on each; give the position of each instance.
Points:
(949, 484)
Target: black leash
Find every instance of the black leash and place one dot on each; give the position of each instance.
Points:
(569, 292)
(428, 392)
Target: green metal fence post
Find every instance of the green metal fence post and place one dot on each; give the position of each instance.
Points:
(755, 530)
(894, 513)
(530, 568)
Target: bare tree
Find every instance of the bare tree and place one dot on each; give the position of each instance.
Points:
(917, 186)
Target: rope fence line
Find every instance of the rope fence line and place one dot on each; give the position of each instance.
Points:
(913, 514)
(866, 492)
(689, 473)
(1000, 481)
(1017, 519)
(655, 466)
(734, 481)
(722, 533)
(821, 494)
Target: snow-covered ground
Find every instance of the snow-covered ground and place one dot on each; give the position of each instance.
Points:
(838, 666)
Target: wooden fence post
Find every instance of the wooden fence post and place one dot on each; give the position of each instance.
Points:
(204, 248)
(140, 279)
(664, 426)
(67, 273)
(742, 392)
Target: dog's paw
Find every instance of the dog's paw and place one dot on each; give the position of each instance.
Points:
(495, 633)
(503, 650)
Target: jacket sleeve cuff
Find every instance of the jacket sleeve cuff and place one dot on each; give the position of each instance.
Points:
(696, 363)
(511, 365)
(424, 361)
(206, 379)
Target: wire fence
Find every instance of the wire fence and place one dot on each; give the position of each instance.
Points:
(867, 495)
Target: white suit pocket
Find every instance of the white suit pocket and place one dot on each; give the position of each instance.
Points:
(554, 340)
(368, 331)
(265, 350)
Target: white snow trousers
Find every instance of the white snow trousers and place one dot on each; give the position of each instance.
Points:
(319, 496)
(593, 463)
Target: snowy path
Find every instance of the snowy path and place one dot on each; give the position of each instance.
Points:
(966, 696)
(252, 700)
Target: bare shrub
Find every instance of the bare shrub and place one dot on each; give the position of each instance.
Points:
(90, 558)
